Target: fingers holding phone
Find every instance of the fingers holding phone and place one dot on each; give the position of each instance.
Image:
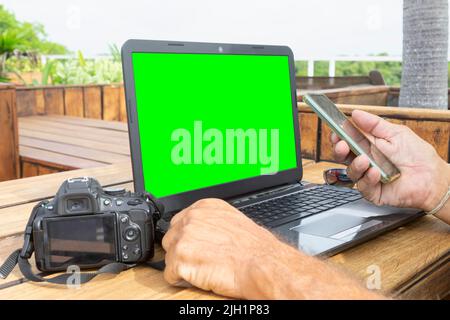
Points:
(358, 167)
(341, 150)
(359, 141)
(424, 175)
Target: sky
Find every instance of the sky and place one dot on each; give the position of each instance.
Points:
(311, 28)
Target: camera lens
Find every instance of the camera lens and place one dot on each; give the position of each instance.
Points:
(131, 233)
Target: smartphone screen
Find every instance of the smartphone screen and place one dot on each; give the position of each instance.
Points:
(349, 132)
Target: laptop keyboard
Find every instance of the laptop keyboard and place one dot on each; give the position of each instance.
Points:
(278, 211)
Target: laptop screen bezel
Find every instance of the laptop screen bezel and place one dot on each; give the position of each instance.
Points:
(227, 190)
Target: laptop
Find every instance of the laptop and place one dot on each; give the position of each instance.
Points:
(209, 120)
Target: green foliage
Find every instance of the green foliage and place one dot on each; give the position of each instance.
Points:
(25, 36)
(391, 71)
(21, 64)
(47, 70)
(22, 41)
(79, 70)
(115, 52)
(10, 40)
(85, 71)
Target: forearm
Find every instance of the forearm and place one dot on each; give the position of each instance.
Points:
(291, 274)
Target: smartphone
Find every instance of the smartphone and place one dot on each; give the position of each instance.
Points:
(350, 133)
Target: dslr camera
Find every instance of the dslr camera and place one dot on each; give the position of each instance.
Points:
(88, 226)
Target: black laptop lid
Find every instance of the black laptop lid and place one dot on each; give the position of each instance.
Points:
(210, 120)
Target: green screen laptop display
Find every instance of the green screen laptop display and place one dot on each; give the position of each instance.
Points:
(209, 119)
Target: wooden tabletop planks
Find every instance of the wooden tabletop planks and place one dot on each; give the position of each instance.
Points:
(413, 260)
(55, 143)
(111, 125)
(42, 123)
(96, 145)
(73, 150)
(55, 160)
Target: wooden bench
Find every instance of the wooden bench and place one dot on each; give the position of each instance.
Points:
(414, 260)
(374, 78)
(359, 90)
(371, 95)
(54, 143)
(356, 95)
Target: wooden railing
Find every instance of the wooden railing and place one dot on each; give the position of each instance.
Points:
(432, 125)
(9, 145)
(105, 102)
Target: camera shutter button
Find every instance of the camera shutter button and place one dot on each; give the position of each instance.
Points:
(134, 202)
(114, 191)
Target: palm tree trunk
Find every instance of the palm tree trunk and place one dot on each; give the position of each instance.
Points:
(425, 54)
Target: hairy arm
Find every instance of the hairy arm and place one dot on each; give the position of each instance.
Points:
(215, 247)
(290, 274)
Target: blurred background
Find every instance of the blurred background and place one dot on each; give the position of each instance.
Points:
(78, 41)
(60, 60)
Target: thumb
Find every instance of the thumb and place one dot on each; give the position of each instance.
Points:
(375, 125)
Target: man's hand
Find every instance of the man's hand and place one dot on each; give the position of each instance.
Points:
(212, 246)
(215, 247)
(424, 179)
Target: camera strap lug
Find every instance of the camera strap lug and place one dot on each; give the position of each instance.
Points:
(150, 199)
(27, 248)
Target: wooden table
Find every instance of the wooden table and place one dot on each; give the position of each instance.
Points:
(52, 143)
(414, 260)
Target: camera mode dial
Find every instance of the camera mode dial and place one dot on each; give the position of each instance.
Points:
(112, 191)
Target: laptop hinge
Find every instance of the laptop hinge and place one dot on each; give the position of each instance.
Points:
(265, 193)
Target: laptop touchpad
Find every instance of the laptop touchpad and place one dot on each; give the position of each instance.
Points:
(331, 225)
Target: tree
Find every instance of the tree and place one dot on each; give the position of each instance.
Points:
(23, 39)
(425, 54)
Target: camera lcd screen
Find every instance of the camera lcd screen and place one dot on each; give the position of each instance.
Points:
(81, 240)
